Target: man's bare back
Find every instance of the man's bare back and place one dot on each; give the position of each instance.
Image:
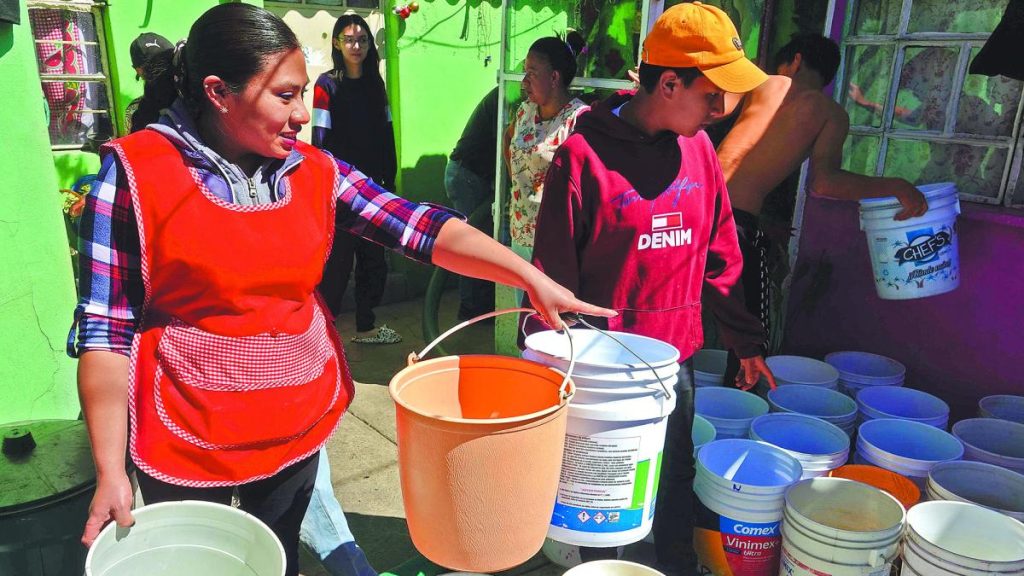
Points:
(776, 130)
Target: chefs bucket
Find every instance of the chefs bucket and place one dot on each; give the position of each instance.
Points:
(480, 442)
(918, 257)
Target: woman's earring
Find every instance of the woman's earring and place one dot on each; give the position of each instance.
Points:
(224, 110)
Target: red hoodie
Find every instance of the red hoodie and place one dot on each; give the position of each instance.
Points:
(641, 225)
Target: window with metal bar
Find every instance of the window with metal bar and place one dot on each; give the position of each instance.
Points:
(69, 50)
(916, 112)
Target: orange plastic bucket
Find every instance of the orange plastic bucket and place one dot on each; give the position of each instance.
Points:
(898, 486)
(480, 443)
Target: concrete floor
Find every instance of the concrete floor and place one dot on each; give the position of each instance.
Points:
(363, 451)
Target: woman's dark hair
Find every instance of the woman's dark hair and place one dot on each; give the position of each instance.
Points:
(232, 41)
(650, 74)
(371, 65)
(561, 54)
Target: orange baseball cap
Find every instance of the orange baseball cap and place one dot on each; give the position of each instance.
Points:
(695, 35)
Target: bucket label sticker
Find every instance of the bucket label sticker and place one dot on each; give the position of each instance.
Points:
(730, 547)
(923, 260)
(603, 486)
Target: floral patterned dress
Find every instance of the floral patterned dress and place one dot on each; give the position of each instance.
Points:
(533, 144)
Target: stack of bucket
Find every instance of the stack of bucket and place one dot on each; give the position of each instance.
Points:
(1003, 407)
(917, 257)
(961, 539)
(615, 432)
(802, 370)
(729, 410)
(991, 440)
(902, 403)
(828, 405)
(709, 367)
(840, 528)
(905, 447)
(979, 483)
(859, 370)
(740, 485)
(820, 447)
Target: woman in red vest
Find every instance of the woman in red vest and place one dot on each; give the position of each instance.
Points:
(204, 349)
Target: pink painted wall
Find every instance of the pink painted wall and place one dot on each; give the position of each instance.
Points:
(960, 346)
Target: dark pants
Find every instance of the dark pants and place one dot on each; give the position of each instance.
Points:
(673, 511)
(754, 248)
(371, 276)
(468, 192)
(279, 501)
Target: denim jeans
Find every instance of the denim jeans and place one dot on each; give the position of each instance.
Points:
(468, 191)
(674, 509)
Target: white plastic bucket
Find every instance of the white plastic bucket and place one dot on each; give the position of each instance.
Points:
(188, 537)
(862, 369)
(803, 370)
(905, 447)
(991, 440)
(828, 405)
(1002, 406)
(709, 367)
(820, 447)
(605, 377)
(979, 483)
(839, 527)
(961, 539)
(612, 568)
(902, 403)
(729, 410)
(606, 492)
(917, 257)
(599, 354)
(740, 486)
(702, 433)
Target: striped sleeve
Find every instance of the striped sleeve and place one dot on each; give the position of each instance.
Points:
(110, 279)
(321, 109)
(367, 210)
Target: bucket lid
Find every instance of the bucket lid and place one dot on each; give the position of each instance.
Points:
(930, 191)
(43, 461)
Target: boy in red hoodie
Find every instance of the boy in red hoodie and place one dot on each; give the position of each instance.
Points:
(636, 217)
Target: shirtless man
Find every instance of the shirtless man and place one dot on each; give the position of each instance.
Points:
(780, 124)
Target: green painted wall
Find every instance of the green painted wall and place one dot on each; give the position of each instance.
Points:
(37, 292)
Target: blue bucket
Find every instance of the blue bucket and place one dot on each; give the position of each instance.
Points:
(1003, 407)
(906, 447)
(702, 433)
(828, 405)
(820, 447)
(903, 403)
(729, 410)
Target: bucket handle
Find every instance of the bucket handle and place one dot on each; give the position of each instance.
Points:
(563, 388)
(575, 317)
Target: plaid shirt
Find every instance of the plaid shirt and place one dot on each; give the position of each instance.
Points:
(110, 279)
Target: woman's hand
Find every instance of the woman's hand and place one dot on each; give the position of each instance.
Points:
(111, 501)
(751, 371)
(551, 300)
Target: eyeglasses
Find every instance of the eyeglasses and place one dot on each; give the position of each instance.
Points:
(353, 40)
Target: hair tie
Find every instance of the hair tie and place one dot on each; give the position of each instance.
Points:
(569, 46)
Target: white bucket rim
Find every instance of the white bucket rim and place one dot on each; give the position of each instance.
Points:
(727, 392)
(984, 405)
(983, 469)
(585, 568)
(833, 431)
(795, 469)
(866, 397)
(1007, 425)
(824, 528)
(612, 377)
(140, 515)
(850, 415)
(563, 399)
(994, 516)
(930, 192)
(824, 374)
(864, 441)
(837, 360)
(544, 342)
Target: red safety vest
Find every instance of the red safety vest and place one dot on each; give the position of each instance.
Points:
(236, 371)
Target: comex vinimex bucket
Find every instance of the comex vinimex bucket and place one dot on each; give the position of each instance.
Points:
(917, 257)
